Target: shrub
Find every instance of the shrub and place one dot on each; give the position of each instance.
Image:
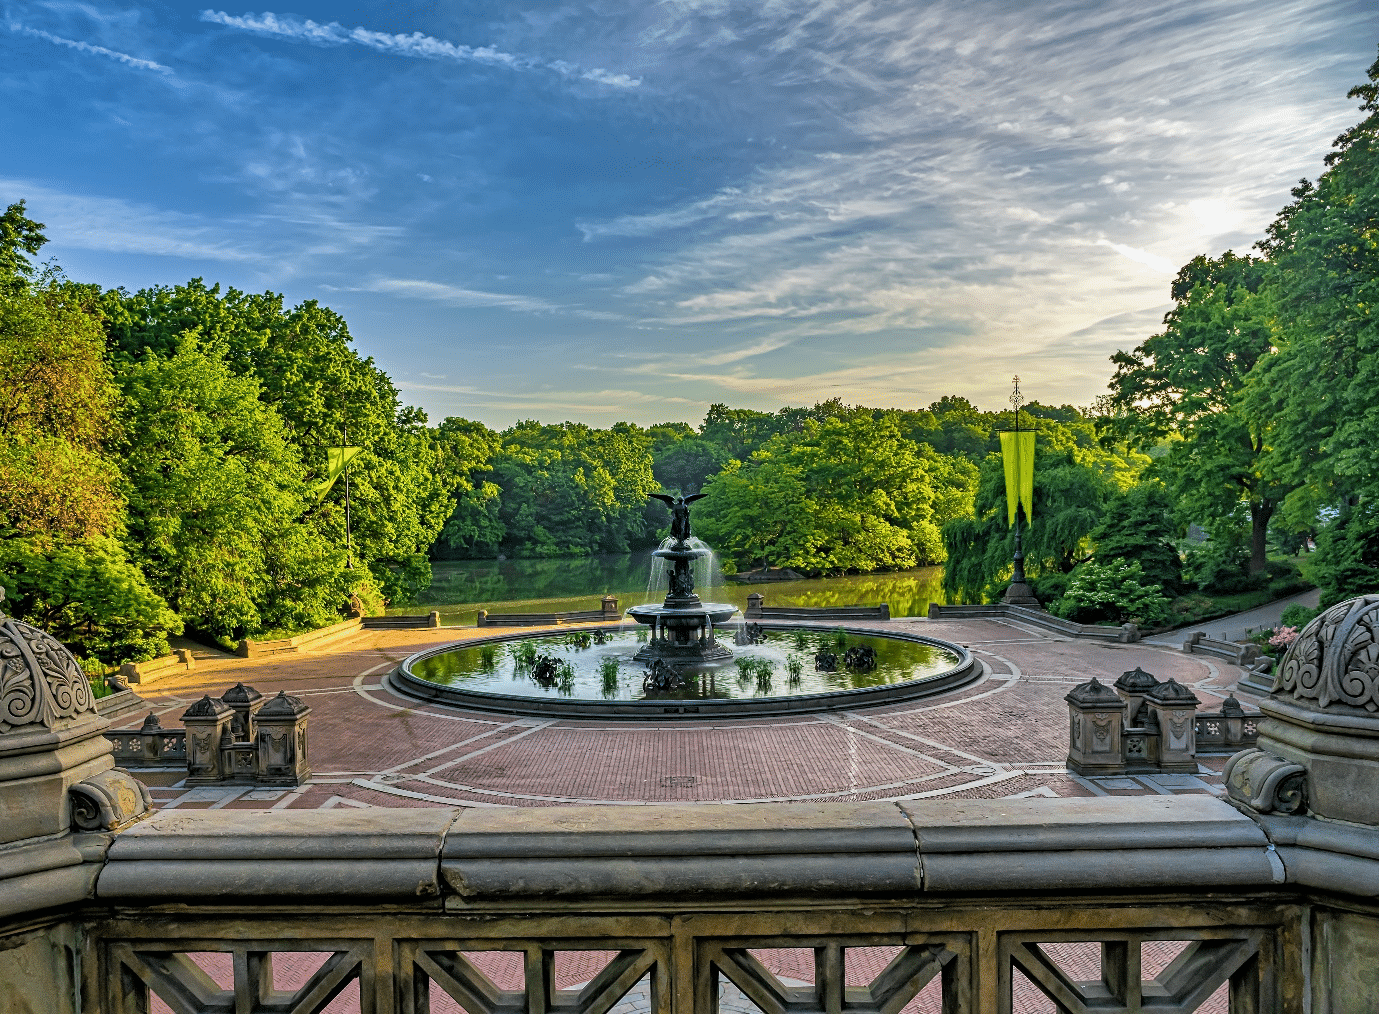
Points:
(1298, 616)
(1222, 566)
(1113, 591)
(88, 595)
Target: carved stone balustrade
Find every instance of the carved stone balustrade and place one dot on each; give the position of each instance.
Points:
(1159, 727)
(218, 753)
(150, 746)
(208, 723)
(1318, 746)
(245, 702)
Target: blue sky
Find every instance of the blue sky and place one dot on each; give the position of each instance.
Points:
(616, 210)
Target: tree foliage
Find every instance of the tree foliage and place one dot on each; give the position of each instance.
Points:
(849, 493)
(1189, 382)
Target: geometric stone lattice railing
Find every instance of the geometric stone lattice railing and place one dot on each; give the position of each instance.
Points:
(1099, 905)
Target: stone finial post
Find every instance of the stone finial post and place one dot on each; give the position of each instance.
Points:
(245, 701)
(208, 721)
(433, 618)
(1132, 686)
(1095, 713)
(482, 619)
(1175, 707)
(610, 608)
(282, 758)
(754, 604)
(1233, 716)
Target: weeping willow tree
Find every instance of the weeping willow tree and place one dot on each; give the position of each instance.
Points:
(1070, 496)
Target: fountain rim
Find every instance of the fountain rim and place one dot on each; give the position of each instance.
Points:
(967, 670)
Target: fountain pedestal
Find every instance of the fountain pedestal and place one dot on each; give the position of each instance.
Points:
(682, 627)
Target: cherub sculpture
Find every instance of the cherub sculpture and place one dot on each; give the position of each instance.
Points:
(679, 513)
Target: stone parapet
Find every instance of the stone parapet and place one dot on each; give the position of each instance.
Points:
(1126, 633)
(312, 639)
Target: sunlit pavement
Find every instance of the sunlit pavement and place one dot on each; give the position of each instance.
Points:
(1004, 736)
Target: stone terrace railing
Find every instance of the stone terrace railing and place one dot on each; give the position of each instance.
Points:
(965, 903)
(1125, 633)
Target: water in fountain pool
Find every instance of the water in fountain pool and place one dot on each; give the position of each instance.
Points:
(784, 665)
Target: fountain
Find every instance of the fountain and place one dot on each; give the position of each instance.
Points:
(670, 662)
(682, 627)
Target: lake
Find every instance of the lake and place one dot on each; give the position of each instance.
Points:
(460, 588)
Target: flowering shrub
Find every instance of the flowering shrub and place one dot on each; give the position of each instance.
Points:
(1283, 636)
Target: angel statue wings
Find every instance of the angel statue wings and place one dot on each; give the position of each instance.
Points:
(679, 513)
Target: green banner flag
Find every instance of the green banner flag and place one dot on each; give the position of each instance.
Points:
(336, 460)
(1017, 452)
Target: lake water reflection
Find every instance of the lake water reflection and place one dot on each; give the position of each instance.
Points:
(460, 588)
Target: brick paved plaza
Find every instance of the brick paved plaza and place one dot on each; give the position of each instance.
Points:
(1003, 736)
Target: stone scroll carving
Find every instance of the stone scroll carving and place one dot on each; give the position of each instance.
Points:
(1265, 783)
(40, 682)
(1335, 660)
(108, 801)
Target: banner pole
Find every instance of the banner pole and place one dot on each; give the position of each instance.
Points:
(349, 544)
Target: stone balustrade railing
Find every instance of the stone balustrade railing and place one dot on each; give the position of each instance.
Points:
(967, 899)
(1267, 901)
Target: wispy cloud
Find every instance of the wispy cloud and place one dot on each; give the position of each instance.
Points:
(960, 212)
(414, 45)
(1160, 264)
(454, 295)
(85, 47)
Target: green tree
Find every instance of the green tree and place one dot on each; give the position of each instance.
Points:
(221, 514)
(848, 493)
(1189, 382)
(1140, 525)
(571, 490)
(1116, 590)
(688, 464)
(19, 235)
(1070, 494)
(88, 595)
(324, 394)
(57, 398)
(1319, 389)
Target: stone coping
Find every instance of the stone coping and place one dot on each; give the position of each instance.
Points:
(966, 671)
(476, 859)
(473, 857)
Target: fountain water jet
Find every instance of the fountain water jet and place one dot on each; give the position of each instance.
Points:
(682, 627)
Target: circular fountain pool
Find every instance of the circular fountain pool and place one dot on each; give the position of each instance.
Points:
(583, 673)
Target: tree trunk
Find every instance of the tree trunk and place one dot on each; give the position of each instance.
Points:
(1260, 513)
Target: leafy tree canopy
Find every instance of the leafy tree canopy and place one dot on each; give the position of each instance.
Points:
(19, 235)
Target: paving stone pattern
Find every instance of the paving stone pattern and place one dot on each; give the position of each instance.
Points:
(1003, 736)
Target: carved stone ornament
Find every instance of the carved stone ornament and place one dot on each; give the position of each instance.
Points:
(1265, 783)
(108, 801)
(40, 682)
(1335, 660)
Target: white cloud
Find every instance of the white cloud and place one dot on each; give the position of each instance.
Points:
(944, 210)
(1160, 264)
(415, 45)
(85, 47)
(454, 295)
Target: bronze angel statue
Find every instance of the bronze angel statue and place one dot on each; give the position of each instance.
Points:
(679, 513)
